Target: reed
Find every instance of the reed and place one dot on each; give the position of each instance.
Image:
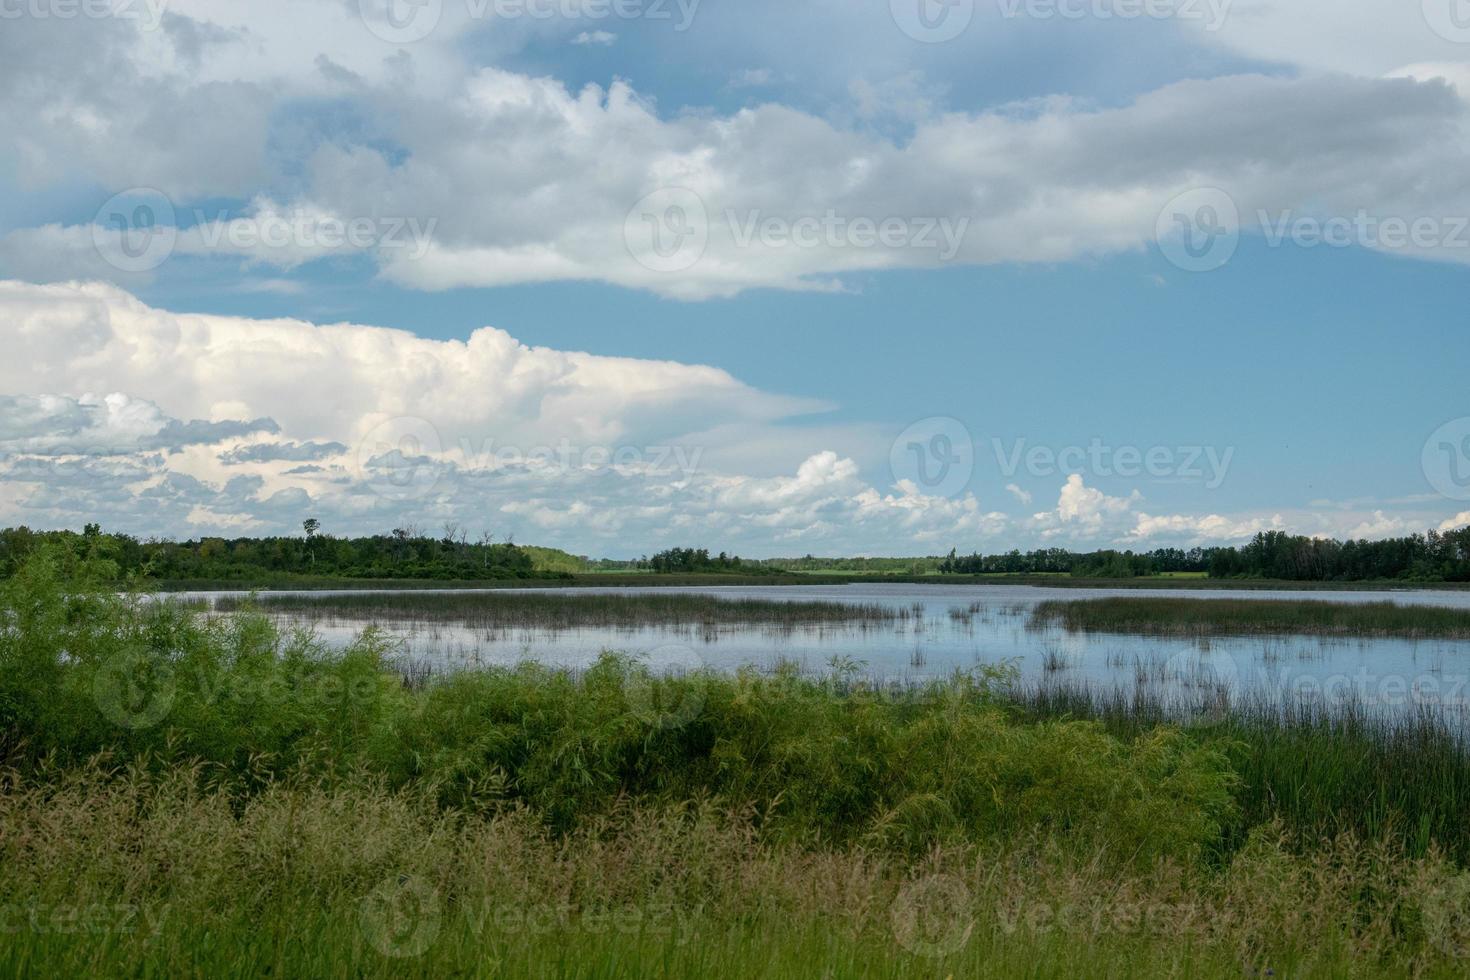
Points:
(1204, 617)
(559, 611)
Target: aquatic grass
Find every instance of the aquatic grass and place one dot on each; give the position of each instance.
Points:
(1321, 769)
(560, 611)
(1203, 617)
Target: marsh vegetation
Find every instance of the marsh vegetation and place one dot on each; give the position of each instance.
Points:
(213, 793)
(1203, 617)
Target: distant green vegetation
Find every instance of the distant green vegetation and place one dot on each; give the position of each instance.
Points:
(538, 610)
(1204, 617)
(1430, 557)
(191, 795)
(404, 554)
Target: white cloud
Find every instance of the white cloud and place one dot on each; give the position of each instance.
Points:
(523, 180)
(598, 453)
(1024, 496)
(1458, 521)
(601, 38)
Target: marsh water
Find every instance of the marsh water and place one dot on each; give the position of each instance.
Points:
(954, 627)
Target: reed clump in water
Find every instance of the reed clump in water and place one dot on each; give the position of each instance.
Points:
(1204, 617)
(559, 610)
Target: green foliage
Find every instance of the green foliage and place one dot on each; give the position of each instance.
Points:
(404, 554)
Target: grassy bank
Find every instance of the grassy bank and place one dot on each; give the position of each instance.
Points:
(182, 795)
(1204, 617)
(531, 610)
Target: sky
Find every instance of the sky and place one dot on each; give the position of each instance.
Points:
(881, 277)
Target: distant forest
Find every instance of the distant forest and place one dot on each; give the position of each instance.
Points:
(1430, 557)
(405, 553)
(410, 554)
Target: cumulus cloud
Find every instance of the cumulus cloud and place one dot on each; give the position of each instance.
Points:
(59, 425)
(521, 179)
(585, 450)
(1024, 496)
(290, 452)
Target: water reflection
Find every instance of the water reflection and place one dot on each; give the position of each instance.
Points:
(952, 628)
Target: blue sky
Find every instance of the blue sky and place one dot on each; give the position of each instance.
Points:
(507, 174)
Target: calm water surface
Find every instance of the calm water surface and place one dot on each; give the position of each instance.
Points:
(961, 627)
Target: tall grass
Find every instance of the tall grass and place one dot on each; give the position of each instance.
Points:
(142, 872)
(1202, 617)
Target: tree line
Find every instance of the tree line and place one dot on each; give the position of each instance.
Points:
(403, 553)
(1434, 556)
